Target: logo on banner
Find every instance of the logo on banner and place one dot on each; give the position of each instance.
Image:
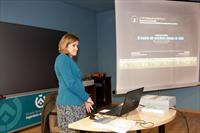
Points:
(10, 114)
(39, 101)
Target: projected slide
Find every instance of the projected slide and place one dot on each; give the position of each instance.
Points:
(157, 44)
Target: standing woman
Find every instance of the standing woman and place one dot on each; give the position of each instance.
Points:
(72, 101)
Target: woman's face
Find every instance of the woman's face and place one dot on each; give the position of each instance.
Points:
(73, 48)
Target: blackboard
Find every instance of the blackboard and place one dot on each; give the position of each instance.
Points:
(27, 57)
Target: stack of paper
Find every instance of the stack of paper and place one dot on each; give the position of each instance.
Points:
(118, 125)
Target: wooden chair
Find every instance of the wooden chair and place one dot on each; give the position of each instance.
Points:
(49, 115)
(53, 125)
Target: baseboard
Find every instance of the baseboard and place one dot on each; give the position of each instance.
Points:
(190, 111)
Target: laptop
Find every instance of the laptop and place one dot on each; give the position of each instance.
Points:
(131, 102)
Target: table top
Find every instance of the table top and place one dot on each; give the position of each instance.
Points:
(135, 115)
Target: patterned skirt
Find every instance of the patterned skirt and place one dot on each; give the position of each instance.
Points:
(69, 114)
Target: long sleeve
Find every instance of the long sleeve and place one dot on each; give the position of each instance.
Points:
(72, 80)
(69, 77)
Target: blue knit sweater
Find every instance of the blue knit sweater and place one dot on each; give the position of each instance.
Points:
(71, 89)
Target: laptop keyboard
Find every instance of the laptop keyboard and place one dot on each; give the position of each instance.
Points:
(115, 111)
(104, 120)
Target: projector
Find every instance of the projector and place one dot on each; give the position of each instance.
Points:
(158, 101)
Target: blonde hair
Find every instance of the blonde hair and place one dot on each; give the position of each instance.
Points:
(65, 41)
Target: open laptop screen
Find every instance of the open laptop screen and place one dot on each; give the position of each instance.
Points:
(132, 100)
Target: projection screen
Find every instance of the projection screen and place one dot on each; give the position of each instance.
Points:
(157, 44)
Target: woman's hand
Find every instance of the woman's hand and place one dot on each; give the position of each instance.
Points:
(88, 105)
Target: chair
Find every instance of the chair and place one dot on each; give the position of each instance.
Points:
(53, 125)
(49, 118)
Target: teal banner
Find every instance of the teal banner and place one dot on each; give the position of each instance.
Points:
(20, 111)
